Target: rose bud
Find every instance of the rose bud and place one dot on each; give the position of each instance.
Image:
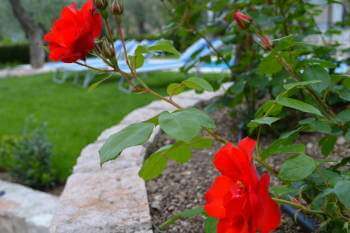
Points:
(117, 7)
(266, 42)
(106, 49)
(241, 19)
(101, 4)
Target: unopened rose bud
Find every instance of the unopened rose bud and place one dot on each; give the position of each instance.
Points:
(266, 42)
(117, 7)
(106, 49)
(101, 4)
(241, 19)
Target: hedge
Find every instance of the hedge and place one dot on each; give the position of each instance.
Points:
(15, 53)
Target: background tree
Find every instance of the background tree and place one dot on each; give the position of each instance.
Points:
(33, 31)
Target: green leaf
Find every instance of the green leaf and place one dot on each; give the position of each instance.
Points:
(181, 125)
(290, 86)
(175, 88)
(282, 146)
(96, 84)
(344, 94)
(238, 87)
(203, 119)
(210, 225)
(201, 143)
(297, 168)
(153, 166)
(327, 144)
(298, 105)
(347, 135)
(136, 61)
(321, 199)
(282, 190)
(190, 213)
(180, 152)
(198, 84)
(133, 135)
(342, 190)
(284, 42)
(263, 121)
(165, 46)
(270, 107)
(344, 116)
(186, 124)
(269, 65)
(313, 125)
(141, 49)
(316, 72)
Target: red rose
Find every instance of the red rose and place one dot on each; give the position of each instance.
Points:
(241, 19)
(239, 198)
(73, 35)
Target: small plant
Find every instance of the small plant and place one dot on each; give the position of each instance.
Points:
(31, 158)
(7, 144)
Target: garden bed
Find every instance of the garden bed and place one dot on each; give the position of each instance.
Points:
(183, 186)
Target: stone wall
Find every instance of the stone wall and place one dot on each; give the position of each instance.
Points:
(113, 199)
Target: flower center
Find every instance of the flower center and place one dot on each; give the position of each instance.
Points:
(238, 189)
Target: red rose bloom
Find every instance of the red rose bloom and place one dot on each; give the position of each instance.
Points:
(241, 19)
(73, 35)
(239, 198)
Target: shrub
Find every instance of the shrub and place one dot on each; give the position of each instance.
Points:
(32, 159)
(7, 144)
(15, 53)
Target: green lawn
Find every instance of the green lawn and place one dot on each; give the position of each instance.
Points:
(75, 116)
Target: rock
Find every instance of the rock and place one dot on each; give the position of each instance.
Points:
(103, 202)
(341, 141)
(23, 210)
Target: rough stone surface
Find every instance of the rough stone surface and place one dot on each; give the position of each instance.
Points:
(105, 202)
(112, 198)
(23, 210)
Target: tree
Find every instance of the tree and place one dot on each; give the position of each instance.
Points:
(33, 32)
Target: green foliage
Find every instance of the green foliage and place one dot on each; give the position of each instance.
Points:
(298, 105)
(297, 168)
(153, 166)
(184, 125)
(133, 135)
(32, 159)
(14, 53)
(181, 152)
(210, 225)
(198, 84)
(186, 214)
(7, 144)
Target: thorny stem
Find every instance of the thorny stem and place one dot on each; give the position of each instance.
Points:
(133, 74)
(266, 165)
(327, 110)
(93, 68)
(330, 114)
(296, 205)
(109, 31)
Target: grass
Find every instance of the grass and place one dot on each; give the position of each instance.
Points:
(75, 116)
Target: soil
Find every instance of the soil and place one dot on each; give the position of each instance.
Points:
(183, 186)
